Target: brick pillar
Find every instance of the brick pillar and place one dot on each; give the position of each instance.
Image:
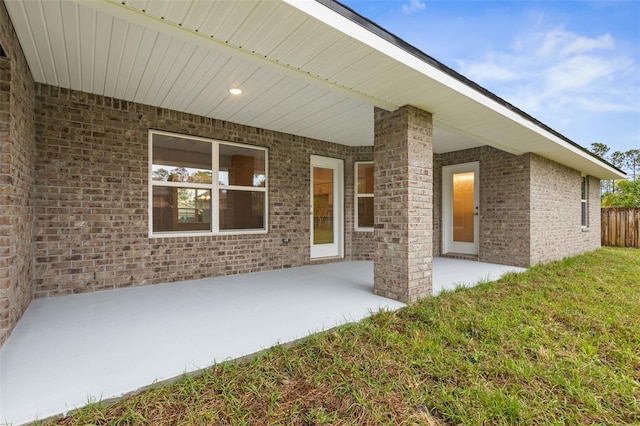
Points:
(403, 204)
(17, 180)
(6, 228)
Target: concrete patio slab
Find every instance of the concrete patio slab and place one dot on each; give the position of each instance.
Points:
(70, 350)
(448, 274)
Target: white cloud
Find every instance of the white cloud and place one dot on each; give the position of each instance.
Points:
(579, 72)
(555, 71)
(560, 42)
(413, 6)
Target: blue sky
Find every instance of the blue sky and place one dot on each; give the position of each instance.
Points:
(574, 65)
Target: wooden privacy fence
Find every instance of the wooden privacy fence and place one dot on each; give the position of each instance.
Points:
(621, 226)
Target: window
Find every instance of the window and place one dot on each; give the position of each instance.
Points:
(364, 196)
(185, 198)
(584, 197)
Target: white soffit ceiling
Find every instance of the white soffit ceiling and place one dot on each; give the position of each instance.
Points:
(112, 50)
(304, 69)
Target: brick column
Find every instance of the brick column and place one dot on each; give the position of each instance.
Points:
(17, 180)
(6, 228)
(403, 204)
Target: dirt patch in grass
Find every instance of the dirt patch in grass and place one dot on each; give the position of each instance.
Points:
(557, 344)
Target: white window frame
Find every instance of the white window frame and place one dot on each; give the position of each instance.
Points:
(215, 188)
(357, 195)
(584, 202)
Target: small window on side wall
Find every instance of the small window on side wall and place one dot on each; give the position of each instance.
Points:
(364, 196)
(205, 186)
(583, 202)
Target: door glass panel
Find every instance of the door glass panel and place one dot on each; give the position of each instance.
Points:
(322, 206)
(463, 207)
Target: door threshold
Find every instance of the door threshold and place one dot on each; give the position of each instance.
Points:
(326, 258)
(460, 256)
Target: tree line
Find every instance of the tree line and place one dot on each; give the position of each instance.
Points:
(621, 192)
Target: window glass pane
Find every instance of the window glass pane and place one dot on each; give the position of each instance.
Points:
(178, 159)
(584, 213)
(323, 207)
(181, 209)
(365, 178)
(241, 209)
(584, 188)
(241, 166)
(463, 207)
(365, 212)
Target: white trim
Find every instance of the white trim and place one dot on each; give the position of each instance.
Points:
(180, 184)
(243, 188)
(150, 183)
(215, 192)
(448, 245)
(215, 188)
(357, 195)
(182, 234)
(337, 248)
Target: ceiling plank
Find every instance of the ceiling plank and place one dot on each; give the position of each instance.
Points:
(209, 68)
(103, 36)
(152, 67)
(115, 58)
(70, 27)
(40, 34)
(128, 61)
(172, 60)
(54, 29)
(87, 24)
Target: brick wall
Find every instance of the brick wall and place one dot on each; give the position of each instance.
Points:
(529, 207)
(556, 230)
(504, 203)
(92, 198)
(17, 164)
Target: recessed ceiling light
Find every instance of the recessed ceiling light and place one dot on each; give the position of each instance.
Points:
(235, 91)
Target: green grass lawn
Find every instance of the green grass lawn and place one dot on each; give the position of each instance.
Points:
(559, 344)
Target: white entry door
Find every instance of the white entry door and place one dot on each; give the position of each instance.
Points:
(460, 208)
(327, 207)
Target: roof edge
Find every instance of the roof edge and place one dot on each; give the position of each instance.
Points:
(369, 25)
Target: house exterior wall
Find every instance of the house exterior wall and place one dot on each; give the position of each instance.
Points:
(92, 198)
(556, 230)
(17, 166)
(503, 205)
(92, 201)
(530, 209)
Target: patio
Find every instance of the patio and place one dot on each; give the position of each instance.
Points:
(70, 350)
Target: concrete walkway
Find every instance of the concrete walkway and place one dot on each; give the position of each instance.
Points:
(70, 350)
